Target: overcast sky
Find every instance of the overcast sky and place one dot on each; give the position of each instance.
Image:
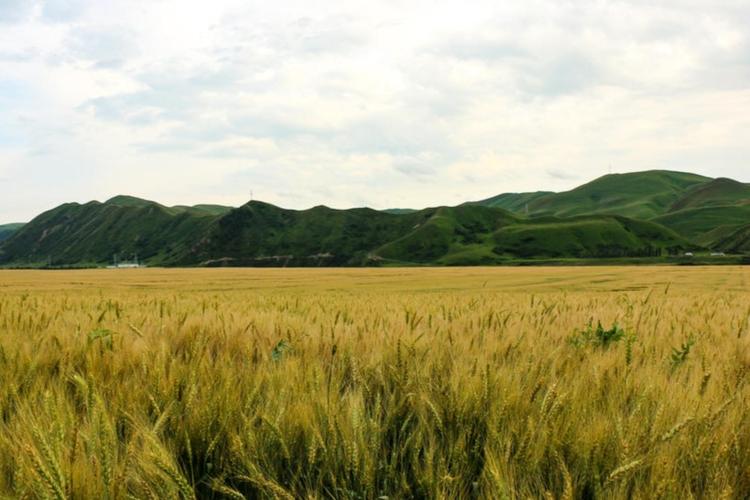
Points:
(345, 103)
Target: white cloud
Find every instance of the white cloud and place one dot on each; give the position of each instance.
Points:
(355, 103)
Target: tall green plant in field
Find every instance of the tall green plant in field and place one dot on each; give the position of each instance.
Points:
(597, 336)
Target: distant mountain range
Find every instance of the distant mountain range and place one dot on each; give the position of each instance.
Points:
(644, 214)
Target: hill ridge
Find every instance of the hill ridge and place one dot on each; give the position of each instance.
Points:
(615, 215)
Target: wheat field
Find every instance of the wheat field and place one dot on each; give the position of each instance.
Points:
(597, 382)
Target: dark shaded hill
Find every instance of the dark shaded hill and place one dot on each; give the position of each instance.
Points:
(448, 235)
(262, 234)
(7, 230)
(205, 209)
(399, 211)
(93, 232)
(133, 202)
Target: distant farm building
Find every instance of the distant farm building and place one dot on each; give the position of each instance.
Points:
(125, 264)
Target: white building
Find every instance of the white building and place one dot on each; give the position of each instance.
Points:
(134, 264)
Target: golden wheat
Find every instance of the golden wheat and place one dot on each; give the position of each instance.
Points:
(383, 383)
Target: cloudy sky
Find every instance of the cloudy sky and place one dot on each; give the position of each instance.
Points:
(345, 103)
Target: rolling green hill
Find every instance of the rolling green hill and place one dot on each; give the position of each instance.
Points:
(204, 209)
(738, 241)
(93, 232)
(133, 202)
(700, 209)
(514, 202)
(709, 212)
(616, 216)
(640, 195)
(7, 230)
(448, 235)
(718, 192)
(399, 211)
(588, 237)
(262, 234)
(706, 225)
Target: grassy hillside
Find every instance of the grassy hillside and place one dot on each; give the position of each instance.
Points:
(737, 241)
(94, 232)
(588, 236)
(7, 230)
(399, 211)
(262, 234)
(706, 225)
(703, 210)
(639, 195)
(514, 202)
(449, 235)
(215, 210)
(133, 202)
(718, 192)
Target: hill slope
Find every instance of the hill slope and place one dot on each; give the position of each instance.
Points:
(588, 237)
(603, 218)
(7, 230)
(205, 209)
(399, 211)
(93, 232)
(710, 212)
(448, 235)
(640, 195)
(706, 225)
(262, 234)
(514, 202)
(737, 241)
(718, 192)
(700, 209)
(133, 202)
